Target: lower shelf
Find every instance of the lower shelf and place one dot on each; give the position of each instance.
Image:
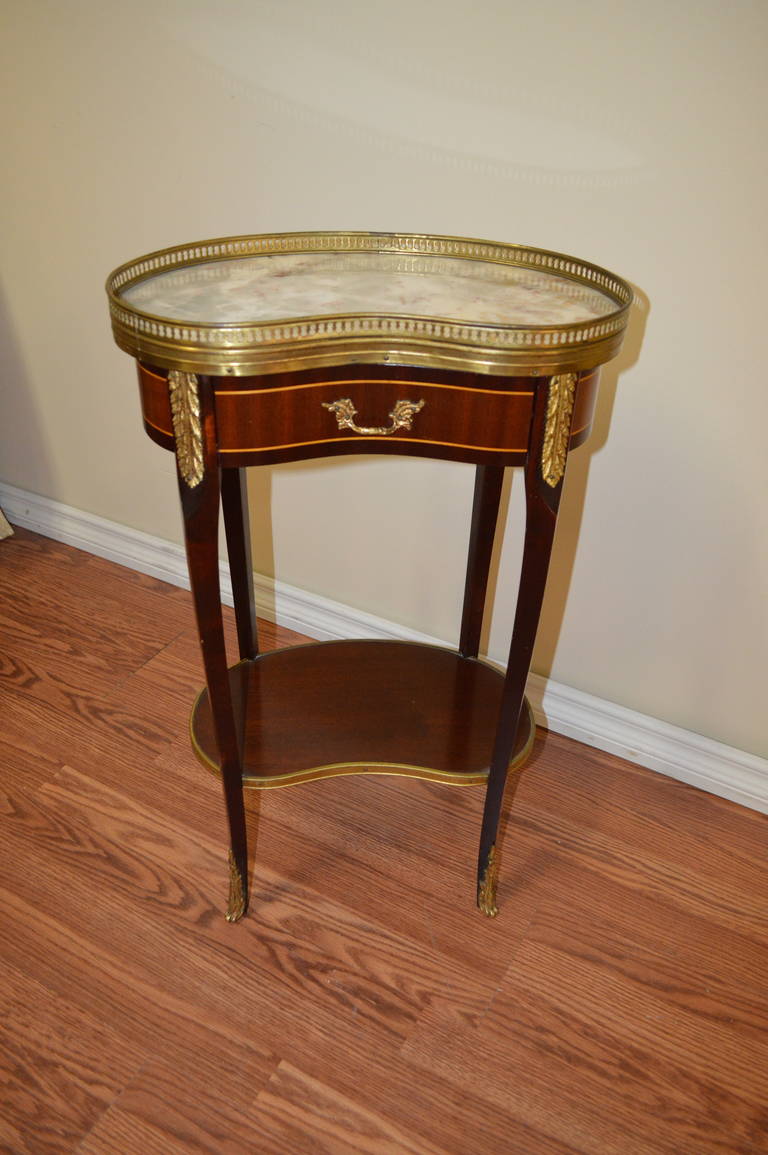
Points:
(362, 707)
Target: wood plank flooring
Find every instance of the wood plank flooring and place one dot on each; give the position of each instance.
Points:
(617, 1005)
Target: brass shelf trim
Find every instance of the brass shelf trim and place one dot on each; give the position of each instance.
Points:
(385, 769)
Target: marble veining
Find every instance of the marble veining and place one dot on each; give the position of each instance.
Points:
(276, 287)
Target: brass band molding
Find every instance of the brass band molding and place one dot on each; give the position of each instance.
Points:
(344, 769)
(234, 346)
(223, 337)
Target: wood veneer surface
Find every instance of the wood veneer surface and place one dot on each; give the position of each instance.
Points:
(618, 1003)
(390, 705)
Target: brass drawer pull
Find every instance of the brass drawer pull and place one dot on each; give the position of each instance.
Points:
(401, 416)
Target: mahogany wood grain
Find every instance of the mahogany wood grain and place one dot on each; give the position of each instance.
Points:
(583, 407)
(247, 421)
(455, 422)
(617, 1004)
(542, 503)
(336, 706)
(485, 512)
(200, 508)
(234, 503)
(156, 405)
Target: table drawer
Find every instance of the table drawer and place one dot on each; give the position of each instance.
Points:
(262, 422)
(366, 415)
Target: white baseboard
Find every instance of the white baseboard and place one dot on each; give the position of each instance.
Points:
(682, 754)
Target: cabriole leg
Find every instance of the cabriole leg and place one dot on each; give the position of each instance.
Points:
(485, 511)
(198, 474)
(544, 471)
(234, 502)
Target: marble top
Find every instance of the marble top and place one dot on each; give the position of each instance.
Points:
(279, 286)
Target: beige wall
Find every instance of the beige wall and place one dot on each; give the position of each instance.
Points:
(632, 135)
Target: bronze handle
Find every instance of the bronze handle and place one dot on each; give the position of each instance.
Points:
(401, 417)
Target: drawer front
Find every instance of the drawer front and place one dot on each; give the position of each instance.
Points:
(363, 415)
(293, 421)
(584, 407)
(156, 405)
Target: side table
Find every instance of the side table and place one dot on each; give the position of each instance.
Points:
(263, 349)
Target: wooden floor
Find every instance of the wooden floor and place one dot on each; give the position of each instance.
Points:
(618, 1004)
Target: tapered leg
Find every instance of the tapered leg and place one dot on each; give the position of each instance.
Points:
(540, 528)
(485, 511)
(543, 485)
(234, 501)
(488, 877)
(198, 473)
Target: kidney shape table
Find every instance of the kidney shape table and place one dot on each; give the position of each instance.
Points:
(275, 348)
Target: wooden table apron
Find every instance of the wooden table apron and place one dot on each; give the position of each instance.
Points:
(226, 424)
(271, 348)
